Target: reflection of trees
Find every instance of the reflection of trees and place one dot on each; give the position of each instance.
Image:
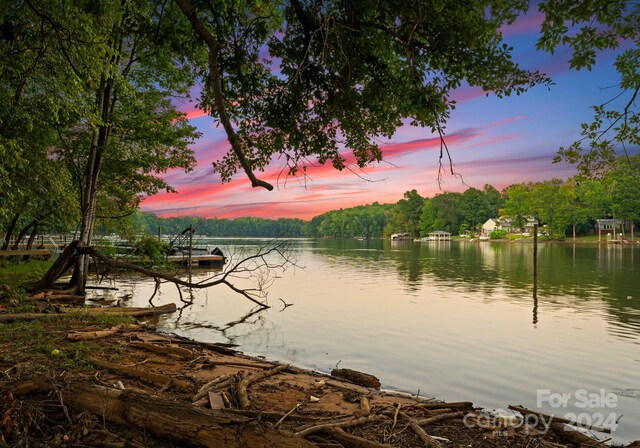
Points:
(252, 319)
(572, 275)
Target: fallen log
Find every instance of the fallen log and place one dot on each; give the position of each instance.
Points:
(243, 384)
(134, 312)
(164, 350)
(57, 295)
(175, 420)
(350, 441)
(145, 375)
(99, 334)
(360, 378)
(548, 418)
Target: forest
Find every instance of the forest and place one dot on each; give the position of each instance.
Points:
(561, 206)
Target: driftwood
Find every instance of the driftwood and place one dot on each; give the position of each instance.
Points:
(362, 379)
(365, 407)
(178, 352)
(57, 295)
(99, 334)
(453, 405)
(351, 441)
(439, 418)
(341, 424)
(204, 390)
(145, 375)
(426, 438)
(571, 435)
(134, 312)
(548, 418)
(243, 384)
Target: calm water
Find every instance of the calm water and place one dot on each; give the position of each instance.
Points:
(456, 320)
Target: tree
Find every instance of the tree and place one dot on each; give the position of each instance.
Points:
(551, 201)
(586, 27)
(308, 81)
(625, 180)
(517, 204)
(119, 67)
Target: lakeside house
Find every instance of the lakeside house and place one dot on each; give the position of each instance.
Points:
(507, 224)
(612, 228)
(438, 235)
(609, 225)
(401, 236)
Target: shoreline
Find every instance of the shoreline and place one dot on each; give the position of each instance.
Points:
(102, 371)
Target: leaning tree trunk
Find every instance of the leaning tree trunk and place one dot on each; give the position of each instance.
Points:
(10, 230)
(32, 238)
(21, 235)
(62, 265)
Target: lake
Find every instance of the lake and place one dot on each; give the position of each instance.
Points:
(452, 320)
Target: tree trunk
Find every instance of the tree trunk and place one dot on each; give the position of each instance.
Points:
(21, 235)
(574, 232)
(32, 237)
(181, 422)
(10, 229)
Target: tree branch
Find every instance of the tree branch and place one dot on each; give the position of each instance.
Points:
(215, 84)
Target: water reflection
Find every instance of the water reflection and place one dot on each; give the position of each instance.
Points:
(579, 276)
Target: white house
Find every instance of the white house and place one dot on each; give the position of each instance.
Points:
(504, 223)
(490, 225)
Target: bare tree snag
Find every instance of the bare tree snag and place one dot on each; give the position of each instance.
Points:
(243, 384)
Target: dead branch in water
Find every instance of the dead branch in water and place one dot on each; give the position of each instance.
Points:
(260, 269)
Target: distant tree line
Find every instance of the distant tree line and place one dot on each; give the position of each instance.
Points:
(563, 206)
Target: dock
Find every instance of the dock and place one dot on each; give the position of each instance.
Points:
(39, 253)
(200, 260)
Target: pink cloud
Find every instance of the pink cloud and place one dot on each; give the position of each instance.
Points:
(528, 24)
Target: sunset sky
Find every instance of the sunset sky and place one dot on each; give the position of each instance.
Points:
(492, 140)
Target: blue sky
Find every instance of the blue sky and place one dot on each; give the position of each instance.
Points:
(492, 141)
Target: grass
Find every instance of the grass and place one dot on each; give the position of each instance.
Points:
(40, 345)
(19, 274)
